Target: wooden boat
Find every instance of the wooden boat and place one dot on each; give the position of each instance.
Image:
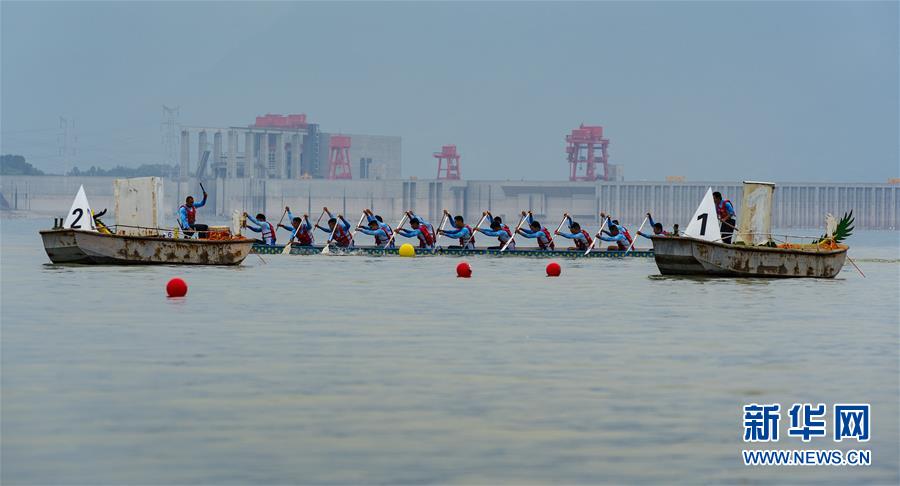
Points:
(679, 255)
(98, 248)
(378, 251)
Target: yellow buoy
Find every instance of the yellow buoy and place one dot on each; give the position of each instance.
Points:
(407, 250)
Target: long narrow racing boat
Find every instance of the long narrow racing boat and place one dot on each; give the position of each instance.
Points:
(378, 251)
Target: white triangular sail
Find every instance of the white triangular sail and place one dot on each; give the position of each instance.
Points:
(80, 216)
(704, 224)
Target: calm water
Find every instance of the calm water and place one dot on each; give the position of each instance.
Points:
(387, 370)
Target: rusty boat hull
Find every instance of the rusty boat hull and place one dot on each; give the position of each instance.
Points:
(93, 248)
(688, 256)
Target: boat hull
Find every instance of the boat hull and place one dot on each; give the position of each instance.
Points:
(376, 251)
(688, 256)
(93, 248)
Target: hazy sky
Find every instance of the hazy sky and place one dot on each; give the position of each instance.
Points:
(709, 90)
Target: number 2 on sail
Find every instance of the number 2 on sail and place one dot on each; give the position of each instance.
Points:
(78, 213)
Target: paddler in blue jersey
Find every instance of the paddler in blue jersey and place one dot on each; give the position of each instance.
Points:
(538, 232)
(657, 228)
(263, 227)
(499, 231)
(301, 229)
(381, 236)
(340, 227)
(420, 230)
(187, 216)
(615, 222)
(580, 237)
(462, 231)
(621, 242)
(386, 228)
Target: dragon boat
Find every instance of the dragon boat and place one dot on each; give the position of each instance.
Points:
(260, 248)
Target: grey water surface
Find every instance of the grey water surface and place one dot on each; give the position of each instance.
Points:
(387, 370)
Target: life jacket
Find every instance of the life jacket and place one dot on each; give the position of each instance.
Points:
(583, 245)
(191, 214)
(268, 232)
(723, 211)
(508, 232)
(627, 234)
(622, 245)
(426, 239)
(469, 239)
(304, 237)
(341, 236)
(549, 244)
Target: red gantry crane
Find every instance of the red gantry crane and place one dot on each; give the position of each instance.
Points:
(339, 157)
(448, 163)
(586, 148)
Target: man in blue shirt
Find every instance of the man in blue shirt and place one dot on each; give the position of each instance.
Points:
(621, 242)
(462, 231)
(537, 231)
(265, 228)
(657, 228)
(187, 216)
(419, 229)
(300, 228)
(501, 232)
(341, 229)
(580, 237)
(726, 215)
(381, 236)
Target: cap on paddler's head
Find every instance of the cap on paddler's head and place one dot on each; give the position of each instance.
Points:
(378, 217)
(261, 217)
(332, 221)
(414, 221)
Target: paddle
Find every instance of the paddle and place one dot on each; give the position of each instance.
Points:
(596, 237)
(636, 235)
(513, 237)
(483, 216)
(565, 216)
(287, 247)
(396, 228)
(355, 230)
(437, 234)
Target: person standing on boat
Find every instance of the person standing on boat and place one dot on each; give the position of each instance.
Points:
(187, 216)
(621, 242)
(419, 230)
(300, 228)
(263, 227)
(542, 234)
(657, 228)
(341, 229)
(580, 237)
(725, 212)
(501, 232)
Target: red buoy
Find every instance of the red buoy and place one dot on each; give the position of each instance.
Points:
(553, 269)
(176, 288)
(463, 270)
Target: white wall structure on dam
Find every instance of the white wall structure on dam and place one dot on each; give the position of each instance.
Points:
(797, 205)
